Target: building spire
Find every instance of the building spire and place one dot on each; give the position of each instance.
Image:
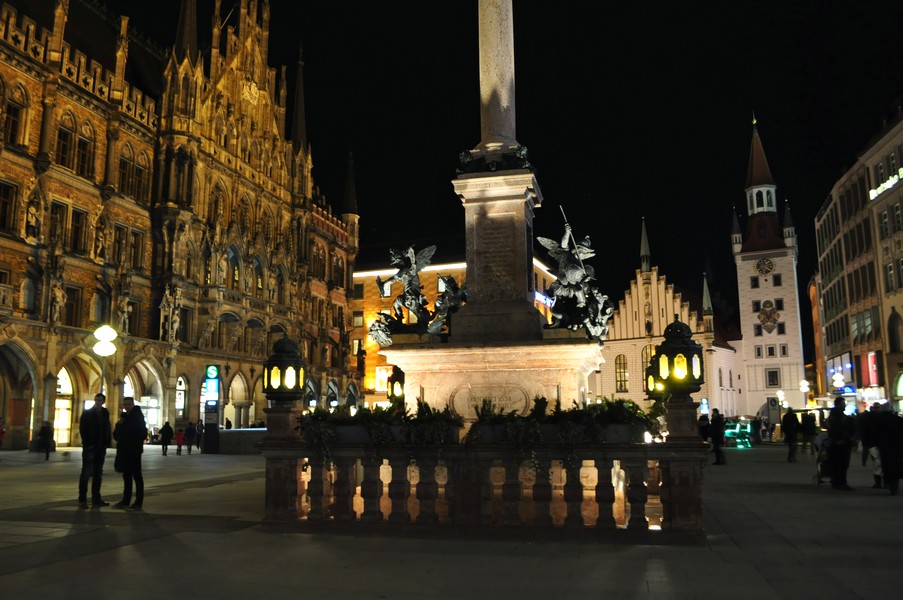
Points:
(299, 120)
(186, 44)
(645, 255)
(759, 173)
(349, 206)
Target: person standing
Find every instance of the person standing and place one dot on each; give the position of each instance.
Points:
(94, 428)
(166, 434)
(200, 437)
(180, 441)
(131, 433)
(45, 439)
(808, 429)
(840, 444)
(790, 426)
(191, 436)
(228, 423)
(716, 431)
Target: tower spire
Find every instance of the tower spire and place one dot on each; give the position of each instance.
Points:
(186, 44)
(645, 254)
(299, 120)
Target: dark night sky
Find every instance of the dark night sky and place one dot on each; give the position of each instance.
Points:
(628, 109)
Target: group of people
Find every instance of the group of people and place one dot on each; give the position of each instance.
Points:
(190, 437)
(130, 433)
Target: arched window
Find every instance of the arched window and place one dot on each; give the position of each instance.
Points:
(234, 271)
(185, 94)
(621, 373)
(760, 200)
(65, 141)
(770, 199)
(895, 332)
(720, 378)
(208, 266)
(258, 279)
(181, 395)
(14, 113)
(280, 288)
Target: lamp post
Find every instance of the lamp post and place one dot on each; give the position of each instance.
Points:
(283, 385)
(675, 371)
(103, 348)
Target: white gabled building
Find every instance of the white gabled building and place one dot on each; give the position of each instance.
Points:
(637, 326)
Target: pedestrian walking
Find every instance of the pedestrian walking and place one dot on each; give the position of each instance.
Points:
(228, 423)
(94, 428)
(840, 444)
(808, 431)
(180, 441)
(716, 431)
(790, 425)
(889, 436)
(45, 439)
(166, 434)
(131, 433)
(191, 436)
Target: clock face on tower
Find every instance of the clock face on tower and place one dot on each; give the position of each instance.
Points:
(764, 266)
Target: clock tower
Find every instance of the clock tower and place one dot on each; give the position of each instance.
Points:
(765, 252)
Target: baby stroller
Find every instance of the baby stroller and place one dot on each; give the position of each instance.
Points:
(822, 471)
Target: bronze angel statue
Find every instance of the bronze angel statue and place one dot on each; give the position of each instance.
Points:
(409, 264)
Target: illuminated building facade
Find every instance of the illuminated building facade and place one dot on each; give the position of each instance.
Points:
(159, 192)
(860, 246)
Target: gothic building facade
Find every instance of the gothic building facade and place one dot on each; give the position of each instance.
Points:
(162, 193)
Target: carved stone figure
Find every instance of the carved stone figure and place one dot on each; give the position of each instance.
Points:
(572, 273)
(57, 302)
(32, 223)
(125, 310)
(409, 264)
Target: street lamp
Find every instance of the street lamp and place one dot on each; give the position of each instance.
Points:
(103, 348)
(675, 371)
(283, 385)
(283, 373)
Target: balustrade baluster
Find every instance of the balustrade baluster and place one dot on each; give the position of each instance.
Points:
(542, 492)
(636, 492)
(372, 490)
(344, 489)
(573, 495)
(399, 490)
(512, 491)
(605, 494)
(427, 491)
(315, 488)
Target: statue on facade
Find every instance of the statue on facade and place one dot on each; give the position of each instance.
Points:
(57, 301)
(408, 265)
(125, 311)
(576, 303)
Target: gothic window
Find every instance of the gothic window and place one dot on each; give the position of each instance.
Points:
(133, 174)
(7, 206)
(185, 94)
(72, 308)
(720, 378)
(621, 373)
(101, 307)
(78, 232)
(760, 201)
(770, 200)
(258, 279)
(280, 288)
(84, 152)
(14, 112)
(65, 141)
(137, 249)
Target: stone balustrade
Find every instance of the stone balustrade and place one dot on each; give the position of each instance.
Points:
(637, 492)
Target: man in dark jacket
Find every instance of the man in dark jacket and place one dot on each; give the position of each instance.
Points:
(716, 430)
(94, 428)
(840, 444)
(131, 433)
(790, 425)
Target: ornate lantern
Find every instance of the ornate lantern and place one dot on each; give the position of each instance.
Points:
(283, 373)
(676, 367)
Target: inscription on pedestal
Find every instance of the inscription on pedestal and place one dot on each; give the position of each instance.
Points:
(494, 253)
(466, 398)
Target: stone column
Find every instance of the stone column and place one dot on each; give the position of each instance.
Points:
(497, 118)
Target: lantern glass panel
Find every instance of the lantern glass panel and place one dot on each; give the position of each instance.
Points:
(680, 366)
(290, 378)
(697, 367)
(275, 377)
(650, 383)
(663, 368)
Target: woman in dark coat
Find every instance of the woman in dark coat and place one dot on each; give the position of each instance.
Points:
(166, 434)
(131, 433)
(888, 428)
(716, 430)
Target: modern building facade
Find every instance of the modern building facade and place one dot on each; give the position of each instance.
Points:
(161, 193)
